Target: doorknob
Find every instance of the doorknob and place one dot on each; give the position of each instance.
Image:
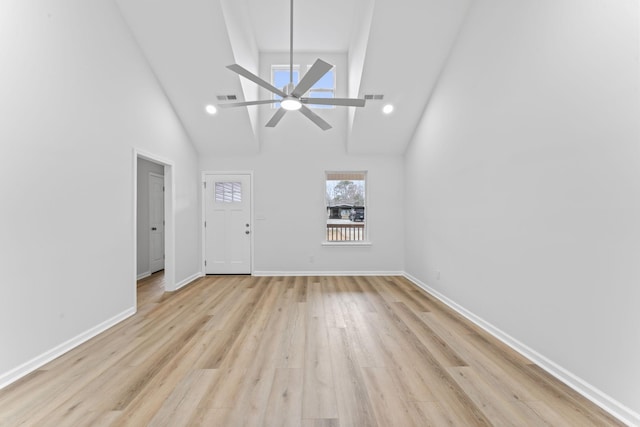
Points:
(246, 232)
(153, 228)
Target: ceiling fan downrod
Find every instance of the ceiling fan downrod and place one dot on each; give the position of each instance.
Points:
(291, 44)
(291, 97)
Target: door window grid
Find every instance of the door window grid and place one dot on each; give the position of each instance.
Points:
(228, 192)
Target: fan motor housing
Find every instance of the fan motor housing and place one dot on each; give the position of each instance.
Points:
(288, 88)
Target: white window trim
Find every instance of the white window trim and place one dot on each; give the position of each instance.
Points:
(347, 243)
(366, 241)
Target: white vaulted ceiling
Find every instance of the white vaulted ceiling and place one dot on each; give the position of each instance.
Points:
(394, 47)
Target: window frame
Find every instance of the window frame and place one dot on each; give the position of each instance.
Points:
(331, 90)
(298, 68)
(278, 67)
(365, 241)
(228, 195)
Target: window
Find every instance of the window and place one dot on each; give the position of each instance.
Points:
(228, 192)
(280, 77)
(324, 88)
(345, 196)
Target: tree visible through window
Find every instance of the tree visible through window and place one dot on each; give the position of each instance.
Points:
(345, 196)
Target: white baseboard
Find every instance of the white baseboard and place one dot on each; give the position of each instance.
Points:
(188, 280)
(143, 275)
(606, 402)
(328, 273)
(35, 363)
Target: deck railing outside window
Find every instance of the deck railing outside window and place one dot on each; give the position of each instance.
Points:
(345, 232)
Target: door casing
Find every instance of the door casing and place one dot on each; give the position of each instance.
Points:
(169, 217)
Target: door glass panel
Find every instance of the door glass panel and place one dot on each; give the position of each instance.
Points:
(228, 192)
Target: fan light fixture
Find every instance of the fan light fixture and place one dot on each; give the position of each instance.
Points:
(291, 104)
(291, 97)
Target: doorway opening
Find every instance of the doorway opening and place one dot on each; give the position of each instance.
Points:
(153, 220)
(155, 223)
(150, 218)
(150, 290)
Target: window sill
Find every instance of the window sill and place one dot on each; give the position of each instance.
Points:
(356, 243)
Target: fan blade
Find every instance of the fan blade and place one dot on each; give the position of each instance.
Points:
(347, 102)
(242, 104)
(315, 118)
(257, 80)
(276, 118)
(315, 73)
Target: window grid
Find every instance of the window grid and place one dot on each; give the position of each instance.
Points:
(324, 88)
(228, 192)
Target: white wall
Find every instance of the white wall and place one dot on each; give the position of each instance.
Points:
(523, 184)
(289, 190)
(76, 98)
(291, 215)
(143, 233)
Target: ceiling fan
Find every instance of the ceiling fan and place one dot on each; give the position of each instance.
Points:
(293, 95)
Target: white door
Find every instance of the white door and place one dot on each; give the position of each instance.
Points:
(156, 222)
(227, 224)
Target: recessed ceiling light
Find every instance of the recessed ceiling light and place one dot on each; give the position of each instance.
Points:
(387, 109)
(211, 109)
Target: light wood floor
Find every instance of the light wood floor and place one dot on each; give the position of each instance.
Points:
(295, 351)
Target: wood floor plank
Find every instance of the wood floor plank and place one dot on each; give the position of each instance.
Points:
(284, 407)
(491, 371)
(294, 336)
(178, 407)
(365, 343)
(300, 289)
(543, 386)
(320, 422)
(333, 309)
(106, 419)
(436, 345)
(354, 405)
(293, 351)
(268, 326)
(405, 367)
(434, 415)
(394, 328)
(389, 407)
(319, 398)
(243, 375)
(499, 411)
(396, 290)
(138, 391)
